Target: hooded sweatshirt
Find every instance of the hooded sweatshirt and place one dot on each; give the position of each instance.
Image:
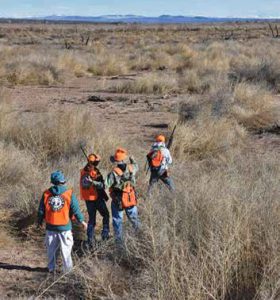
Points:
(74, 210)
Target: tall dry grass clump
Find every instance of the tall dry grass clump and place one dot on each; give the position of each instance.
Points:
(21, 181)
(208, 138)
(149, 84)
(55, 134)
(217, 236)
(107, 65)
(255, 107)
(34, 145)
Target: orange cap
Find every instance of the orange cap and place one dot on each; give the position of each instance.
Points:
(160, 138)
(94, 158)
(120, 154)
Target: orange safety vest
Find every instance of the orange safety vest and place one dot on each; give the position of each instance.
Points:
(128, 191)
(90, 193)
(57, 207)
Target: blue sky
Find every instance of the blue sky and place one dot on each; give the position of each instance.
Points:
(222, 8)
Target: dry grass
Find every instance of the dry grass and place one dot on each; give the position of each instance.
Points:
(108, 65)
(208, 138)
(32, 146)
(148, 84)
(255, 108)
(218, 239)
(217, 236)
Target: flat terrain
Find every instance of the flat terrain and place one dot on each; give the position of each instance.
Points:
(221, 81)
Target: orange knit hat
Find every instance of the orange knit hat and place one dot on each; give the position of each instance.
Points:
(120, 154)
(160, 138)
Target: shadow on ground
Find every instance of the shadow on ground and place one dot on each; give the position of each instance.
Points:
(22, 268)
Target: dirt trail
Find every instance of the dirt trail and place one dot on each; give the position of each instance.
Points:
(129, 114)
(22, 269)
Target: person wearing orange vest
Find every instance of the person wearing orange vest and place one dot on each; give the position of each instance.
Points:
(92, 191)
(159, 159)
(121, 183)
(56, 207)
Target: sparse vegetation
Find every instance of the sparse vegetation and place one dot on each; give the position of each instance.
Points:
(217, 236)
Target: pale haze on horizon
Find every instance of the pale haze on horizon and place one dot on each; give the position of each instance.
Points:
(211, 8)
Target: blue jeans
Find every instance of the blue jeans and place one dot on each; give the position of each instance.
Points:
(132, 214)
(92, 207)
(165, 178)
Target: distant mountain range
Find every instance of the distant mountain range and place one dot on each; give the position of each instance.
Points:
(164, 19)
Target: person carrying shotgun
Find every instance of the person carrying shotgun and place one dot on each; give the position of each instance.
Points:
(159, 159)
(121, 182)
(92, 191)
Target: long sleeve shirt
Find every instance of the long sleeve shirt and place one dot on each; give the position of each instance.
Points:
(98, 182)
(74, 210)
(167, 159)
(112, 178)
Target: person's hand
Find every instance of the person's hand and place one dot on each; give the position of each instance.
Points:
(84, 224)
(89, 179)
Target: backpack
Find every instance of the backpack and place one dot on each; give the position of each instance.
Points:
(155, 158)
(125, 189)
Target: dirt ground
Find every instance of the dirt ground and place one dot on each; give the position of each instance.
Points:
(127, 113)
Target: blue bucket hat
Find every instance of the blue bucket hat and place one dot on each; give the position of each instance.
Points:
(57, 177)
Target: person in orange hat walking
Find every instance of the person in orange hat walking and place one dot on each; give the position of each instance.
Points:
(121, 183)
(92, 191)
(159, 160)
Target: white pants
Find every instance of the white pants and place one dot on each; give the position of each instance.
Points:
(62, 241)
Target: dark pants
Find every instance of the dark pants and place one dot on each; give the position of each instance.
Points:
(100, 206)
(164, 177)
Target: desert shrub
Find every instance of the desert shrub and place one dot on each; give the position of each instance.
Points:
(151, 59)
(149, 84)
(193, 81)
(55, 134)
(20, 180)
(255, 107)
(31, 147)
(213, 58)
(35, 67)
(22, 67)
(72, 63)
(107, 65)
(216, 238)
(208, 137)
(32, 73)
(257, 70)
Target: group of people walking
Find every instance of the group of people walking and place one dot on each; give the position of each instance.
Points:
(59, 206)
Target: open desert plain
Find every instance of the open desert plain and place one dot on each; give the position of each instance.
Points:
(105, 86)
